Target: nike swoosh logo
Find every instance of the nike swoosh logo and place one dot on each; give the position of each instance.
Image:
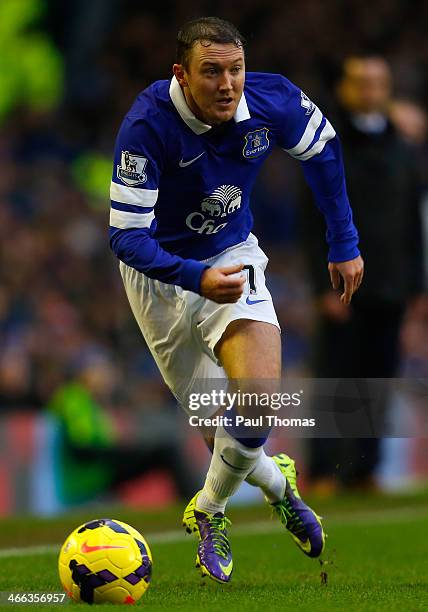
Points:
(251, 302)
(230, 465)
(227, 569)
(86, 548)
(184, 164)
(306, 545)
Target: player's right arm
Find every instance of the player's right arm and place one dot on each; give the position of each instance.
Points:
(138, 164)
(223, 285)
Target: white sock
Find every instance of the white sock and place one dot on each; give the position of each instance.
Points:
(267, 475)
(231, 463)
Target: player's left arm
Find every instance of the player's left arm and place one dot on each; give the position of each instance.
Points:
(308, 136)
(324, 172)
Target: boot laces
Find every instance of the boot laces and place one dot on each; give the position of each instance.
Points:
(289, 517)
(218, 535)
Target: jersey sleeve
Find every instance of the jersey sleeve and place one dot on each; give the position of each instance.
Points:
(308, 136)
(138, 165)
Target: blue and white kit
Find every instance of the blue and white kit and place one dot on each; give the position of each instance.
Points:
(180, 201)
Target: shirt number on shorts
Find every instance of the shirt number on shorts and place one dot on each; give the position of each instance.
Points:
(251, 279)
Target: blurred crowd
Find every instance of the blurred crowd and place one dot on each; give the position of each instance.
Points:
(63, 315)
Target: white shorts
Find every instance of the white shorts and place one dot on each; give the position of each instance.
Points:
(181, 328)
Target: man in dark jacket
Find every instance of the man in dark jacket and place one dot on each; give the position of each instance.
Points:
(362, 340)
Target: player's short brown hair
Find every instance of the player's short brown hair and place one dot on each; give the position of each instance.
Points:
(209, 29)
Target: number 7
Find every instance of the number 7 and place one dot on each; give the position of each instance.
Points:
(251, 278)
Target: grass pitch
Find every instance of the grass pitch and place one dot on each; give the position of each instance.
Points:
(376, 559)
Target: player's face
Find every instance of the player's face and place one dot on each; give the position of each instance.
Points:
(213, 81)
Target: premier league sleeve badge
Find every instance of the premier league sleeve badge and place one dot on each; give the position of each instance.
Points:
(131, 169)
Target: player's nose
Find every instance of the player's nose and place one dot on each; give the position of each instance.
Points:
(225, 82)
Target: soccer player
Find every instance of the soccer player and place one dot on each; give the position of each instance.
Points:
(187, 155)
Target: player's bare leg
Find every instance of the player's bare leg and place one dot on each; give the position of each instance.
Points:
(239, 351)
(250, 352)
(234, 457)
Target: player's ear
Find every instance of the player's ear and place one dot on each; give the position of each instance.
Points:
(179, 73)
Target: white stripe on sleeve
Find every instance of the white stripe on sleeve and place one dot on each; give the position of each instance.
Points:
(132, 195)
(327, 134)
(308, 135)
(128, 220)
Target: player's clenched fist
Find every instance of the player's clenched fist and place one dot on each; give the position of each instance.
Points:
(223, 285)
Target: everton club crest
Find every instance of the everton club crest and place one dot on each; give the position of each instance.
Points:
(256, 143)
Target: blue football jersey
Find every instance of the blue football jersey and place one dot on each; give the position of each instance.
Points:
(180, 192)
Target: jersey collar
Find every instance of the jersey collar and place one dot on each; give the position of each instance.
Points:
(177, 97)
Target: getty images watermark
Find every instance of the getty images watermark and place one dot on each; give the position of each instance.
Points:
(312, 407)
(245, 404)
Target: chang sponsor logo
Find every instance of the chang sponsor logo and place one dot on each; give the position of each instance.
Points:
(222, 202)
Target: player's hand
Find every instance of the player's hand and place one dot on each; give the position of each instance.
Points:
(352, 272)
(223, 285)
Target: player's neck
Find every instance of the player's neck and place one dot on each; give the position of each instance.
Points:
(194, 107)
